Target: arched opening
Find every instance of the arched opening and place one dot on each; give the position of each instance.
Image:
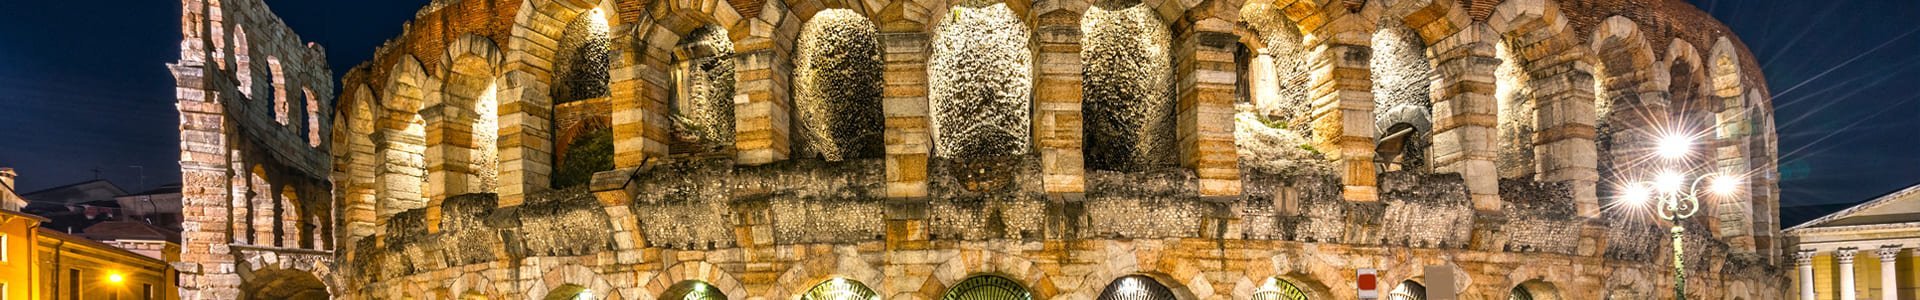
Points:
(1402, 104)
(585, 148)
(1277, 289)
(279, 87)
(1136, 287)
(840, 289)
(1514, 116)
(987, 287)
(1273, 132)
(980, 82)
(1127, 87)
(580, 62)
(313, 117)
(837, 83)
(355, 159)
(1408, 290)
(288, 226)
(402, 142)
(1534, 290)
(261, 215)
(702, 106)
(576, 292)
(243, 64)
(471, 120)
(283, 284)
(692, 290)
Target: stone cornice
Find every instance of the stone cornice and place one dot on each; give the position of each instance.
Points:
(1877, 202)
(1854, 228)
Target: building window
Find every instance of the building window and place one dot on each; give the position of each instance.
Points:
(146, 291)
(3, 291)
(73, 284)
(5, 247)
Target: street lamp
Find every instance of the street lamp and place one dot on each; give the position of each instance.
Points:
(1676, 199)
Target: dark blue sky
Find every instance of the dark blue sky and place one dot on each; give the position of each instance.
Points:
(83, 85)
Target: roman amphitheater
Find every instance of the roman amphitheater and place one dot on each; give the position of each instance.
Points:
(971, 149)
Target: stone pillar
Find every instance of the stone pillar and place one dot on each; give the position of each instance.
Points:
(1889, 276)
(1563, 138)
(1057, 125)
(1464, 116)
(1342, 96)
(909, 139)
(638, 93)
(450, 147)
(206, 174)
(762, 113)
(1265, 88)
(1205, 82)
(1845, 257)
(1804, 261)
(526, 147)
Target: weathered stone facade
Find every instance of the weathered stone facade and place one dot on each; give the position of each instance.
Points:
(1297, 140)
(259, 218)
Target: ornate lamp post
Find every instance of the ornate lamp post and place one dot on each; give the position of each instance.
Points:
(1676, 200)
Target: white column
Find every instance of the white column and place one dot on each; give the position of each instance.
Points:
(1889, 256)
(1804, 259)
(1845, 256)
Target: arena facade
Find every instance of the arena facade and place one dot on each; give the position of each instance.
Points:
(973, 149)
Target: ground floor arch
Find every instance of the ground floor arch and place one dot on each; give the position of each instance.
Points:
(283, 284)
(988, 287)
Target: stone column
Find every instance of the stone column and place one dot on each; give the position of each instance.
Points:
(1342, 98)
(909, 139)
(1057, 122)
(762, 119)
(1204, 61)
(1845, 257)
(1889, 277)
(1804, 260)
(1464, 116)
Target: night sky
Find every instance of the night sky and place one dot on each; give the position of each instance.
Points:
(84, 85)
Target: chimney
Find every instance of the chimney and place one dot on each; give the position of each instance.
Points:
(9, 195)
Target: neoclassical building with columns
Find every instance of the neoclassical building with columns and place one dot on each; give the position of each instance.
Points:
(978, 149)
(1864, 252)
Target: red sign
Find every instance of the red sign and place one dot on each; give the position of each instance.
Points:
(1368, 282)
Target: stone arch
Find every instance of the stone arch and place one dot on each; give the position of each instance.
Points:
(1127, 87)
(980, 86)
(537, 29)
(242, 60)
(562, 276)
(838, 86)
(1628, 101)
(1402, 96)
(1407, 290)
(839, 289)
(313, 118)
(279, 88)
(475, 283)
(401, 141)
(268, 276)
(1138, 287)
(969, 263)
(466, 118)
(355, 160)
(1278, 288)
(1731, 134)
(844, 263)
(1555, 83)
(1534, 290)
(691, 270)
(1690, 115)
(1304, 271)
(705, 80)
